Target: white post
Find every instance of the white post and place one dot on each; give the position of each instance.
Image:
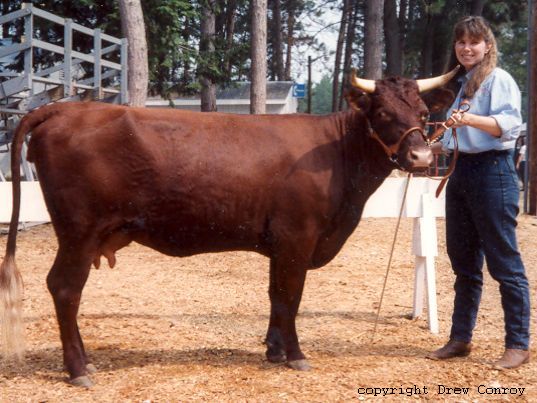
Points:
(424, 246)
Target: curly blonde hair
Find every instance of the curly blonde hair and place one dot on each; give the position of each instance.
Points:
(477, 28)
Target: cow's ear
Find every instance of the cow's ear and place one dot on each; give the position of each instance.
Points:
(357, 99)
(438, 99)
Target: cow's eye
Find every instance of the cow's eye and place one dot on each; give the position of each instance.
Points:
(383, 116)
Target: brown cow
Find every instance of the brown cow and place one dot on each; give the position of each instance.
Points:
(291, 187)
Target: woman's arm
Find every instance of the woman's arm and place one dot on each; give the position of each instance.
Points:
(486, 123)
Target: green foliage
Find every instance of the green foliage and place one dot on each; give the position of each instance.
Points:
(173, 36)
(435, 7)
(169, 50)
(321, 97)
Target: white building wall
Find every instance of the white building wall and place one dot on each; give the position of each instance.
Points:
(240, 106)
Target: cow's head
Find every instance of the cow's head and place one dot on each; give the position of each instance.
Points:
(397, 114)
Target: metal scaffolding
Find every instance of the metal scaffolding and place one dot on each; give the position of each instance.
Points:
(33, 84)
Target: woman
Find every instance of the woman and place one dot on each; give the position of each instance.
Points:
(482, 196)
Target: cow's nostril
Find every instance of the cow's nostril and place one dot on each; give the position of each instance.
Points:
(421, 158)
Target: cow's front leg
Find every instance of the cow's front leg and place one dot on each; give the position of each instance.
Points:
(285, 291)
(275, 344)
(65, 282)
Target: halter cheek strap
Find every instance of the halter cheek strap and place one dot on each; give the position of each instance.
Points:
(393, 149)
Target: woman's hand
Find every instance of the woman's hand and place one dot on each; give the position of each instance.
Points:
(459, 119)
(486, 123)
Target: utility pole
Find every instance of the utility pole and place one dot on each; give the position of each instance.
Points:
(309, 94)
(309, 84)
(532, 109)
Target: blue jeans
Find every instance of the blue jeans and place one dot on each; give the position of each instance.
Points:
(481, 208)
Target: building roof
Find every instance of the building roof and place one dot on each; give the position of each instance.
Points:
(236, 93)
(241, 90)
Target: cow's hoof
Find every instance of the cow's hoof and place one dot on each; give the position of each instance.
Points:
(92, 369)
(83, 381)
(299, 365)
(277, 358)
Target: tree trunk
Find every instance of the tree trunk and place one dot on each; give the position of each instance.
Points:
(185, 34)
(403, 23)
(208, 26)
(291, 9)
(132, 24)
(411, 21)
(477, 7)
(258, 89)
(411, 12)
(532, 113)
(349, 41)
(228, 18)
(339, 51)
(373, 39)
(427, 47)
(276, 34)
(392, 38)
(231, 11)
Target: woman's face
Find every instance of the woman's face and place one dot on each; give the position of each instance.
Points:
(470, 51)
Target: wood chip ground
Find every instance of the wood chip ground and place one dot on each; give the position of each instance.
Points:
(162, 329)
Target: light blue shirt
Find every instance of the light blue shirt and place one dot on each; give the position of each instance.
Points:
(498, 97)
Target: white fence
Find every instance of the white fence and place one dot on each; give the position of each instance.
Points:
(421, 205)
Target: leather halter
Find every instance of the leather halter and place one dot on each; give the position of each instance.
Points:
(393, 150)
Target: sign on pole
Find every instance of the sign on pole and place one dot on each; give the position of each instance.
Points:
(299, 90)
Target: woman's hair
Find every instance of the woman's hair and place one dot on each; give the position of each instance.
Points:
(476, 28)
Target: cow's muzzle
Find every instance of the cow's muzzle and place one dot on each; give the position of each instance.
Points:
(418, 158)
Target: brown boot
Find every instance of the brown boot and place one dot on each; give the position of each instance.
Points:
(453, 348)
(512, 358)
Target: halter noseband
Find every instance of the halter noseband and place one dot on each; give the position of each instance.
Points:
(393, 150)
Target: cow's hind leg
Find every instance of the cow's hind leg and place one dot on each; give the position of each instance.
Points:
(65, 282)
(285, 291)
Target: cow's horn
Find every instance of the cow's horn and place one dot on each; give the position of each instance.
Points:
(362, 84)
(435, 82)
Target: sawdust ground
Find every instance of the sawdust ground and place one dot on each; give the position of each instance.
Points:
(165, 329)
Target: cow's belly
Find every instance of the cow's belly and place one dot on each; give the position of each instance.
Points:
(183, 225)
(184, 239)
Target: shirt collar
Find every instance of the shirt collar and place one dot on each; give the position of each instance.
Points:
(466, 77)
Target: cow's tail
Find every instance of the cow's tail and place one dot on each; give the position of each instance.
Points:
(11, 286)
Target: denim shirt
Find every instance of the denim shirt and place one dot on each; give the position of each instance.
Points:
(499, 97)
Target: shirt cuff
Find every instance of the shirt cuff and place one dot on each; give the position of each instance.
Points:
(509, 126)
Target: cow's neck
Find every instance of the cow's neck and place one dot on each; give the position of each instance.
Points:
(367, 165)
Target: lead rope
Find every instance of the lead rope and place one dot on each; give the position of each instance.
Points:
(440, 128)
(391, 256)
(451, 167)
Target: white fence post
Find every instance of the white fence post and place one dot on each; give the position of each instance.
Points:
(423, 207)
(425, 247)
